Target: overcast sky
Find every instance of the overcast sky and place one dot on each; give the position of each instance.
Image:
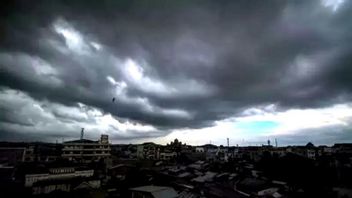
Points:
(199, 71)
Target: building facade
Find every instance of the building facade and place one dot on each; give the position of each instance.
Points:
(148, 150)
(84, 150)
(55, 174)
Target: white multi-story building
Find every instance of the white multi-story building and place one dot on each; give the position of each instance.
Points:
(57, 173)
(84, 150)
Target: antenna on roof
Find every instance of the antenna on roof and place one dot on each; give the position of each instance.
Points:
(82, 133)
(275, 142)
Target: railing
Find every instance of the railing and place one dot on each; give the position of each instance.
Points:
(85, 149)
(85, 155)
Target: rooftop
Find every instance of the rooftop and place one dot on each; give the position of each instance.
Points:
(157, 191)
(150, 188)
(81, 141)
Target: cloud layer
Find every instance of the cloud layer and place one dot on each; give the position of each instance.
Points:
(176, 68)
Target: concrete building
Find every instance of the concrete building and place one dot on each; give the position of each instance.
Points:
(56, 174)
(65, 185)
(148, 150)
(84, 150)
(310, 153)
(279, 151)
(199, 149)
(168, 155)
(341, 148)
(29, 152)
(210, 148)
(12, 156)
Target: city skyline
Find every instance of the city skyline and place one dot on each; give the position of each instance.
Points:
(154, 71)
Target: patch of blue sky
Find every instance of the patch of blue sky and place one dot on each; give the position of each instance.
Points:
(257, 127)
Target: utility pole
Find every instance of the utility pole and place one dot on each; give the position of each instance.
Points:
(228, 142)
(82, 133)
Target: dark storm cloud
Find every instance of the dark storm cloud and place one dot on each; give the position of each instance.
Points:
(28, 118)
(202, 60)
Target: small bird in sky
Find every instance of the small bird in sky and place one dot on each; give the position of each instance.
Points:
(113, 99)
